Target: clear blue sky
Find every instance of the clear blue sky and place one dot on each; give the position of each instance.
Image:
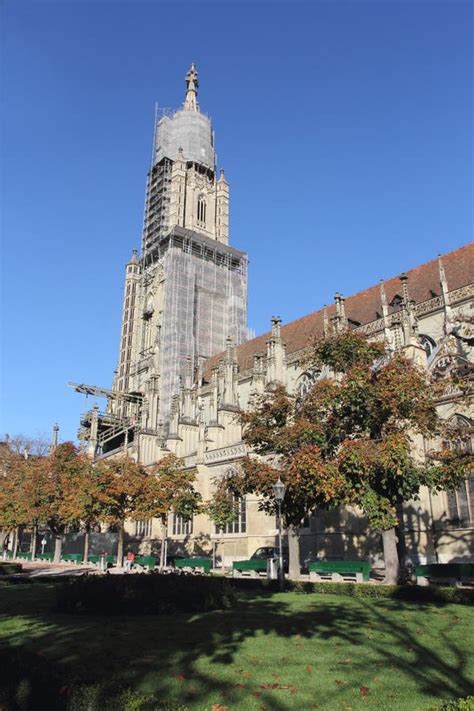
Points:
(345, 130)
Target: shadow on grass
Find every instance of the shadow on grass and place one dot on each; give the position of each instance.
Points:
(183, 656)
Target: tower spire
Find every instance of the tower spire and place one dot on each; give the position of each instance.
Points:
(192, 83)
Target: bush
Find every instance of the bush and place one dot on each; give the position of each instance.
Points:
(100, 698)
(465, 704)
(144, 594)
(10, 568)
(415, 593)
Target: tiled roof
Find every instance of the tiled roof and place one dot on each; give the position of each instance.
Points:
(363, 307)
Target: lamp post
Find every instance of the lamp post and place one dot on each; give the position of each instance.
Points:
(279, 490)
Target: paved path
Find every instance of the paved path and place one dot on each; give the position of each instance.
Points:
(40, 568)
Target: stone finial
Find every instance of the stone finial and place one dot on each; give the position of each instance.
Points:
(383, 299)
(276, 326)
(54, 437)
(325, 321)
(340, 319)
(448, 314)
(192, 84)
(404, 279)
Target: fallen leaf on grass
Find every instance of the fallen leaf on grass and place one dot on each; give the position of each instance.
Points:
(219, 707)
(294, 690)
(340, 682)
(256, 693)
(179, 677)
(246, 674)
(309, 668)
(364, 690)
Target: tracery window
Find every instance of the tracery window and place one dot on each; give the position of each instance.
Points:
(303, 386)
(201, 210)
(460, 503)
(428, 343)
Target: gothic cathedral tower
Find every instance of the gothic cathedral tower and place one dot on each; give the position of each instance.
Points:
(186, 293)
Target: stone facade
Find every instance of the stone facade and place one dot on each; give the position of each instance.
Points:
(187, 402)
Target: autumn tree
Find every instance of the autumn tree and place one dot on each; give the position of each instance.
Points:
(119, 487)
(351, 441)
(58, 477)
(169, 487)
(220, 508)
(85, 498)
(22, 495)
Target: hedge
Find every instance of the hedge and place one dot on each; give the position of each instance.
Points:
(415, 593)
(144, 594)
(464, 704)
(10, 568)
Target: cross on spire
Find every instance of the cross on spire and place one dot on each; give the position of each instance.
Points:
(192, 84)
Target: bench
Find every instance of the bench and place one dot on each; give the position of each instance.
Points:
(145, 561)
(45, 556)
(72, 558)
(451, 573)
(339, 571)
(204, 564)
(249, 568)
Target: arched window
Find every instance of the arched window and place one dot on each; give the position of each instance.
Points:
(460, 503)
(201, 210)
(303, 386)
(428, 344)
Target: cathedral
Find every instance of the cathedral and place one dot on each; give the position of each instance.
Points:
(186, 365)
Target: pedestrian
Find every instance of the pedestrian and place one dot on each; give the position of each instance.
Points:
(129, 560)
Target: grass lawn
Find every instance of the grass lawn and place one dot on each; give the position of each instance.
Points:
(274, 651)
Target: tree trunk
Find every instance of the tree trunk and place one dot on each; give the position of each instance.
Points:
(163, 546)
(58, 544)
(85, 554)
(4, 535)
(390, 554)
(400, 533)
(294, 570)
(120, 546)
(34, 535)
(16, 541)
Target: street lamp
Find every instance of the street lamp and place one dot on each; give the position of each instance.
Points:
(279, 490)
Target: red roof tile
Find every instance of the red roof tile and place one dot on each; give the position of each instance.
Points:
(365, 306)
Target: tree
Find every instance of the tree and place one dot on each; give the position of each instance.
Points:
(22, 496)
(84, 498)
(220, 508)
(351, 441)
(169, 487)
(119, 486)
(58, 476)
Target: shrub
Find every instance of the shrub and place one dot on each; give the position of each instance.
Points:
(415, 593)
(144, 594)
(10, 568)
(464, 704)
